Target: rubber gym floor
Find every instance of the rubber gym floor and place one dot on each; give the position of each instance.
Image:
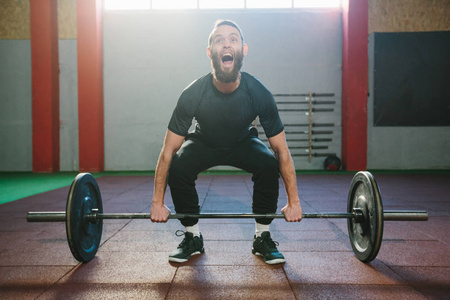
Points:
(413, 262)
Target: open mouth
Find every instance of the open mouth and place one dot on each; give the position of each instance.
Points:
(227, 59)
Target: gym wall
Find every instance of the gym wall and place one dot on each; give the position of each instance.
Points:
(149, 58)
(15, 86)
(137, 110)
(408, 147)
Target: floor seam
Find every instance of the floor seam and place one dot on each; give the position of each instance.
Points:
(171, 283)
(405, 283)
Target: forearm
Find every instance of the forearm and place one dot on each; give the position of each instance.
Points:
(162, 170)
(172, 143)
(289, 177)
(159, 212)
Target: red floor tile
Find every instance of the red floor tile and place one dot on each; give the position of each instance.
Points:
(356, 292)
(336, 268)
(224, 282)
(76, 291)
(132, 261)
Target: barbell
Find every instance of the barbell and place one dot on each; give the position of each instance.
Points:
(365, 216)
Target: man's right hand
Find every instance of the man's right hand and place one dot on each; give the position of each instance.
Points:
(159, 213)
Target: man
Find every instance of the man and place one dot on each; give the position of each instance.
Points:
(224, 104)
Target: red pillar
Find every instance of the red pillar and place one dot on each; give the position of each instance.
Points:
(45, 85)
(354, 84)
(90, 85)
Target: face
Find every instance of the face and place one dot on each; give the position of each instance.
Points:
(226, 53)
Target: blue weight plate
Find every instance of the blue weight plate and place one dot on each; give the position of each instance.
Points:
(83, 236)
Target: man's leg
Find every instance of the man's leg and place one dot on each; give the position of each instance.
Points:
(253, 156)
(187, 163)
(192, 158)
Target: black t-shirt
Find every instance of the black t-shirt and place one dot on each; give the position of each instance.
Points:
(225, 119)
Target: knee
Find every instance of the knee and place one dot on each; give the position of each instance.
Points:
(175, 165)
(175, 170)
(181, 171)
(268, 165)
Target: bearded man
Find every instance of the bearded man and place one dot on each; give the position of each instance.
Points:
(225, 103)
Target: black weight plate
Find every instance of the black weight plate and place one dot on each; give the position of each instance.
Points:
(83, 236)
(365, 236)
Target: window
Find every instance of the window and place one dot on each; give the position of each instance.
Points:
(130, 4)
(221, 4)
(317, 3)
(269, 4)
(174, 4)
(216, 4)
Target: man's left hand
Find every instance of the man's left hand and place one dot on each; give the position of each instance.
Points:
(292, 212)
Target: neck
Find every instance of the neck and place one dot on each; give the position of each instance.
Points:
(228, 87)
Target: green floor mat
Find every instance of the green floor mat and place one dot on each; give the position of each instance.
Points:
(14, 186)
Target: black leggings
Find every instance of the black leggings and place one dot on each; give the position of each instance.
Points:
(250, 155)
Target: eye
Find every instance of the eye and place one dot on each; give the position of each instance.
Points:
(219, 41)
(234, 40)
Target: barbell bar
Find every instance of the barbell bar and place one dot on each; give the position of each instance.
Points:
(365, 216)
(388, 215)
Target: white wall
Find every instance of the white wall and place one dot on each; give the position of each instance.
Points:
(149, 58)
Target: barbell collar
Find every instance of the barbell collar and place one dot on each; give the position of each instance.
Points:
(50, 216)
(403, 215)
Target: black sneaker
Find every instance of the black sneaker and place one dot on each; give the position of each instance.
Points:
(191, 245)
(264, 246)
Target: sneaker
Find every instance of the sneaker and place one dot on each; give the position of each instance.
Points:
(191, 245)
(264, 246)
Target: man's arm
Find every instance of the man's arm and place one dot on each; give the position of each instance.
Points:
(293, 210)
(159, 212)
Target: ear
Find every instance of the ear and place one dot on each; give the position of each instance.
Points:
(245, 49)
(208, 51)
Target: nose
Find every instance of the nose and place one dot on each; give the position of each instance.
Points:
(227, 43)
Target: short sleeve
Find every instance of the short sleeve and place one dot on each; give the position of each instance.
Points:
(269, 117)
(182, 115)
(266, 108)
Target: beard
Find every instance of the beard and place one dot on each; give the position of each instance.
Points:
(227, 76)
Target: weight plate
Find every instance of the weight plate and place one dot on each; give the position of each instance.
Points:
(83, 236)
(365, 236)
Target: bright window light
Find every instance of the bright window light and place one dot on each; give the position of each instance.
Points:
(316, 3)
(218, 4)
(129, 4)
(174, 4)
(269, 3)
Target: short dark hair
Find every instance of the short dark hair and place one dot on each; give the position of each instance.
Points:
(222, 23)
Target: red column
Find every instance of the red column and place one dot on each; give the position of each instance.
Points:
(90, 85)
(354, 84)
(45, 85)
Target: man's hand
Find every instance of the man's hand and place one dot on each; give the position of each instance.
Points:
(159, 213)
(292, 213)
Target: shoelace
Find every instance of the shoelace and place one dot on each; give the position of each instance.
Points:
(184, 242)
(269, 242)
(180, 232)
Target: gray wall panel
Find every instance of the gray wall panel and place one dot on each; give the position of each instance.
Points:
(68, 110)
(15, 106)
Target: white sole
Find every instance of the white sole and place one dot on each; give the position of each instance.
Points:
(181, 260)
(273, 261)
